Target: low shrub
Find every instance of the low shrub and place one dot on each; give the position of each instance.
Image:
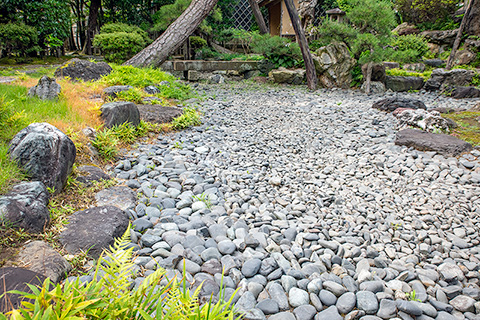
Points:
(278, 50)
(111, 296)
(197, 42)
(18, 39)
(408, 49)
(404, 73)
(119, 41)
(190, 117)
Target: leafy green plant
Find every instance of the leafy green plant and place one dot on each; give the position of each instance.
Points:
(190, 117)
(278, 50)
(428, 14)
(110, 296)
(411, 296)
(18, 38)
(197, 42)
(409, 48)
(133, 95)
(106, 144)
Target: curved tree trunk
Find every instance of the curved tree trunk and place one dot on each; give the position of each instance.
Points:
(472, 25)
(175, 35)
(456, 44)
(262, 26)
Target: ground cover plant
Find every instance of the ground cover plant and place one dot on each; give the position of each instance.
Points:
(111, 296)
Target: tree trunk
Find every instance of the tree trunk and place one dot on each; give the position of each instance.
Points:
(302, 41)
(175, 35)
(92, 25)
(369, 77)
(456, 44)
(472, 25)
(258, 16)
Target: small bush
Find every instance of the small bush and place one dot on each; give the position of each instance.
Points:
(18, 39)
(106, 144)
(329, 31)
(133, 95)
(119, 42)
(190, 117)
(404, 73)
(197, 42)
(409, 48)
(428, 14)
(280, 51)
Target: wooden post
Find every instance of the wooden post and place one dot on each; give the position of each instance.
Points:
(302, 41)
(258, 16)
(456, 44)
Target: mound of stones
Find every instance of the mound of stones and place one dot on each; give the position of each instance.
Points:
(77, 69)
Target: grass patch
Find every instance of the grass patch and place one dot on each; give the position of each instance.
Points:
(468, 126)
(190, 117)
(143, 77)
(404, 73)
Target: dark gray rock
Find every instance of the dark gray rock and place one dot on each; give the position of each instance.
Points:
(46, 89)
(142, 224)
(367, 301)
(388, 309)
(378, 72)
(246, 302)
(45, 152)
(425, 141)
(85, 70)
(441, 79)
(465, 92)
(408, 307)
(93, 230)
(268, 306)
(158, 113)
(327, 298)
(437, 63)
(331, 313)
(374, 286)
(39, 257)
(152, 90)
(391, 104)
(278, 294)
(442, 315)
(251, 267)
(89, 174)
(25, 206)
(120, 112)
(16, 279)
(401, 84)
(121, 197)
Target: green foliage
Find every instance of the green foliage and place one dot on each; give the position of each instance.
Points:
(190, 117)
(142, 77)
(106, 144)
(49, 17)
(169, 13)
(133, 95)
(278, 50)
(404, 73)
(111, 295)
(197, 42)
(372, 16)
(329, 31)
(408, 49)
(18, 38)
(119, 42)
(203, 198)
(357, 76)
(428, 14)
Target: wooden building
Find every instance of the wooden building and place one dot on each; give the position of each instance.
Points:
(278, 18)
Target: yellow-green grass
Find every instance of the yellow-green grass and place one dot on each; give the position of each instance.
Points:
(468, 126)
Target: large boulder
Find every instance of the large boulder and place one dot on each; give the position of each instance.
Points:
(465, 92)
(40, 257)
(283, 75)
(378, 72)
(405, 29)
(45, 152)
(93, 230)
(16, 279)
(334, 64)
(46, 89)
(443, 37)
(117, 113)
(441, 79)
(391, 104)
(426, 141)
(464, 57)
(25, 206)
(400, 83)
(158, 113)
(85, 70)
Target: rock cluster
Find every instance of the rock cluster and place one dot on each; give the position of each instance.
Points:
(78, 69)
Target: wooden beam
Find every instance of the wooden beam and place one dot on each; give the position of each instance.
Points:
(302, 41)
(262, 26)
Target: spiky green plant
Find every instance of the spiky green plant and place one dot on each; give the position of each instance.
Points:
(110, 296)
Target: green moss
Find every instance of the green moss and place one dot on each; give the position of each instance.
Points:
(404, 73)
(468, 126)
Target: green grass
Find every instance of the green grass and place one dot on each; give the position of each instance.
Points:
(190, 117)
(468, 126)
(143, 77)
(9, 171)
(404, 73)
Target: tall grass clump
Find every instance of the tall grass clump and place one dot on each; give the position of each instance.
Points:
(111, 296)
